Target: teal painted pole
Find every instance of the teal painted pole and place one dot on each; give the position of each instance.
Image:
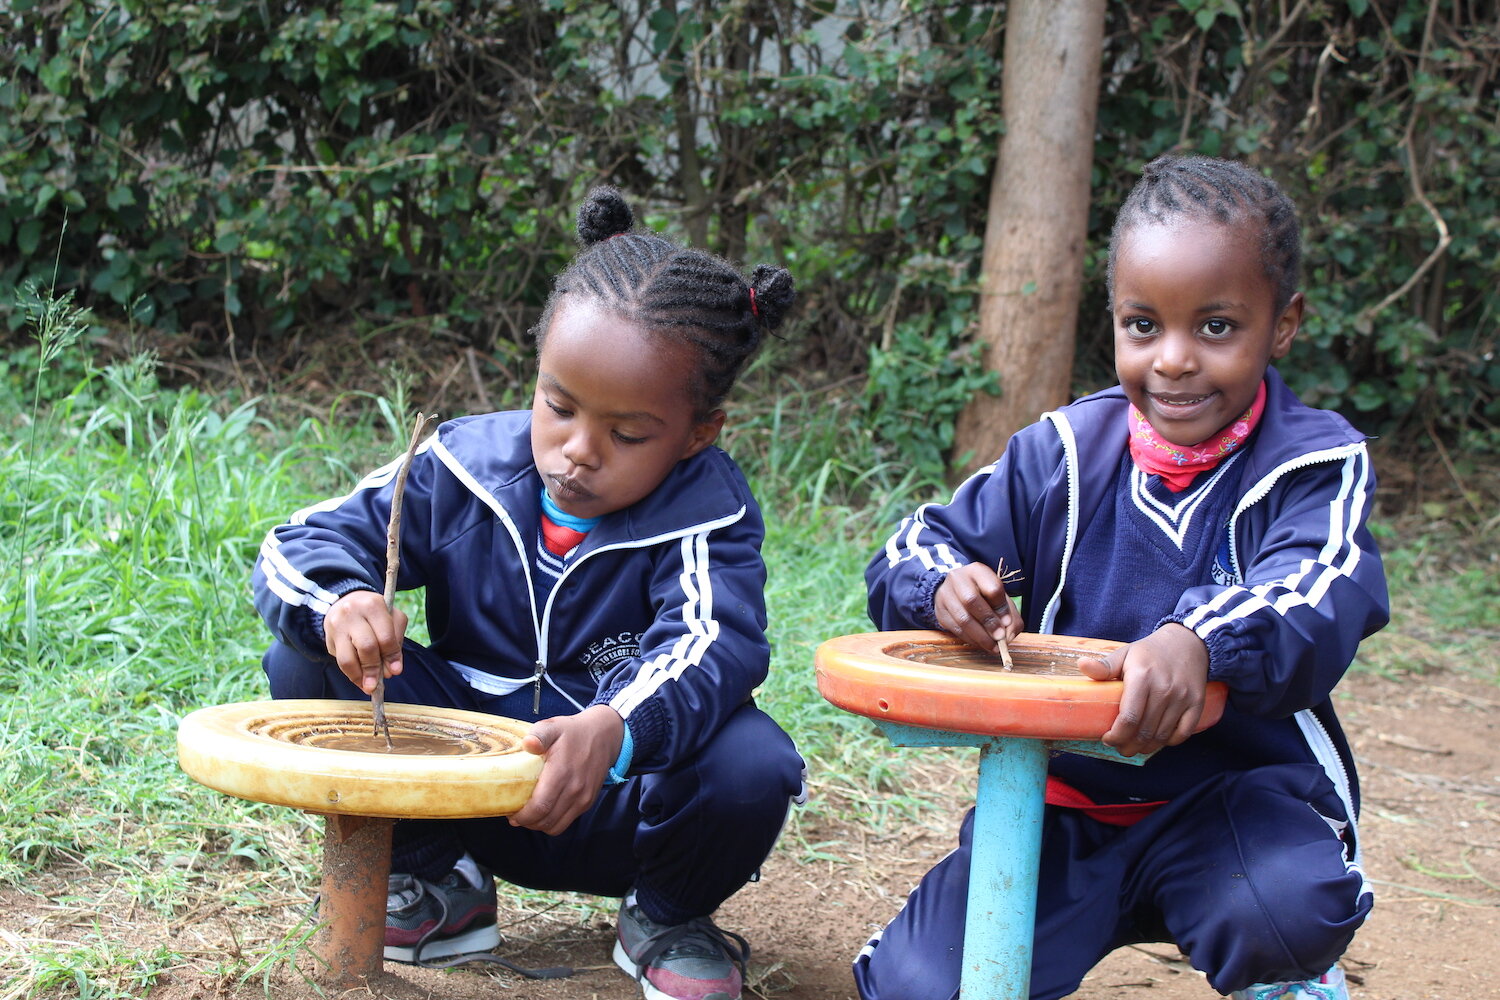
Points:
(1005, 856)
(1005, 852)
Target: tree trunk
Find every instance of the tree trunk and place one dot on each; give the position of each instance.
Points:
(1038, 220)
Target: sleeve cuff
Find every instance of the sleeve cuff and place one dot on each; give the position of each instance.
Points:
(342, 587)
(925, 607)
(1216, 642)
(621, 767)
(647, 725)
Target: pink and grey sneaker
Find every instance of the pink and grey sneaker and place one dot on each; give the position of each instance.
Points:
(696, 960)
(427, 921)
(1329, 986)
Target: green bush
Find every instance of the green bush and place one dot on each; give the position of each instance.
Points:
(248, 176)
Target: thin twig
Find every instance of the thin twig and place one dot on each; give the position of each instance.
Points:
(1001, 644)
(1409, 142)
(393, 558)
(1458, 481)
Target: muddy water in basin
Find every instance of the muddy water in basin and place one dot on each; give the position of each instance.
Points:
(965, 657)
(414, 744)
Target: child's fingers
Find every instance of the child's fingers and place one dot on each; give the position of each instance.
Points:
(563, 792)
(358, 653)
(391, 644)
(1010, 617)
(972, 605)
(1187, 724)
(365, 637)
(1142, 724)
(1165, 675)
(1139, 728)
(1106, 668)
(541, 737)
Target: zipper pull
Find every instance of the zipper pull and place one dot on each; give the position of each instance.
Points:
(536, 695)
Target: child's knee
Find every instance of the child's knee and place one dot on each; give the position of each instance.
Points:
(1288, 921)
(293, 675)
(900, 970)
(1283, 899)
(751, 759)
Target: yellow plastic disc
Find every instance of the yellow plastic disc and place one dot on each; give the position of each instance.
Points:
(323, 756)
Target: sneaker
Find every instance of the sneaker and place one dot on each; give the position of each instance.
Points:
(1329, 986)
(693, 961)
(426, 921)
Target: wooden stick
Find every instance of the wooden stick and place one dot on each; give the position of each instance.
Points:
(1003, 646)
(393, 559)
(1005, 654)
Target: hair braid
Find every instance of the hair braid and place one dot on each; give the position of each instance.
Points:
(1224, 191)
(679, 292)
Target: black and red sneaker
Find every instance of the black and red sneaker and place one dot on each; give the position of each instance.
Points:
(426, 921)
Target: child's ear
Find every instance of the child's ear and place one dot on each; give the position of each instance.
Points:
(1287, 325)
(705, 433)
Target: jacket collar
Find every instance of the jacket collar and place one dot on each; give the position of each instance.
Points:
(1290, 429)
(491, 455)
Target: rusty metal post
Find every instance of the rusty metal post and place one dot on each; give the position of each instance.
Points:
(356, 861)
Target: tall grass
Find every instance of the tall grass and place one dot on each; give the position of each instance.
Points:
(129, 516)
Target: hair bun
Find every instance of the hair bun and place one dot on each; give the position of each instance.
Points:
(604, 213)
(774, 293)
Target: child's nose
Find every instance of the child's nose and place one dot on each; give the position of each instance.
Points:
(1175, 356)
(581, 448)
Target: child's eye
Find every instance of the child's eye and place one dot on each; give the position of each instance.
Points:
(627, 439)
(558, 409)
(1218, 328)
(1140, 327)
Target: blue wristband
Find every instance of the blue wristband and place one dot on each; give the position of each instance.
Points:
(622, 763)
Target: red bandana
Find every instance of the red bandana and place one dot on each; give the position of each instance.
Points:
(1177, 465)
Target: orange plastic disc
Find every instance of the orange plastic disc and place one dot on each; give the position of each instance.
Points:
(932, 680)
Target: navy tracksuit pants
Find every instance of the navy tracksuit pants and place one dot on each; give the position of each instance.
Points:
(1246, 873)
(684, 839)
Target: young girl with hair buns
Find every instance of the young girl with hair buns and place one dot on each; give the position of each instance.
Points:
(592, 565)
(1201, 514)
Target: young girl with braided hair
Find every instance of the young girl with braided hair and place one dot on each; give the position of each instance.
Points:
(592, 566)
(1201, 514)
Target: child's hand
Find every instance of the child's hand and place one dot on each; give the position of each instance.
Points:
(972, 605)
(1164, 674)
(364, 637)
(580, 749)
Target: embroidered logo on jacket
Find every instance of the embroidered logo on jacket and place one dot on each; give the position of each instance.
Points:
(1224, 572)
(602, 655)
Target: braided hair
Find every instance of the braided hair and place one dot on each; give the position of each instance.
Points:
(675, 291)
(1223, 191)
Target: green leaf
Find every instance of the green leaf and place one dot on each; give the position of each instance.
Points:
(28, 236)
(57, 74)
(44, 195)
(856, 61)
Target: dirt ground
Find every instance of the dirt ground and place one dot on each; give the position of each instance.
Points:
(1429, 755)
